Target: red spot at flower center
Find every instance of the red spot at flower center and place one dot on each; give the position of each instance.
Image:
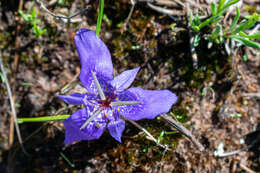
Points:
(106, 103)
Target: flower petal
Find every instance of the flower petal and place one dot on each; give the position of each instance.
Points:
(152, 103)
(116, 129)
(72, 125)
(125, 79)
(73, 99)
(94, 56)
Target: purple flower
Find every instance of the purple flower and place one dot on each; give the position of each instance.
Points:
(107, 100)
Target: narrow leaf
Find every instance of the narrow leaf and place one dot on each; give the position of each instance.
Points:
(100, 16)
(245, 25)
(207, 21)
(245, 41)
(253, 36)
(213, 8)
(234, 23)
(226, 6)
(220, 5)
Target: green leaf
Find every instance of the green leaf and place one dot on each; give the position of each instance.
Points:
(160, 137)
(196, 40)
(245, 41)
(234, 23)
(247, 24)
(191, 19)
(100, 16)
(207, 21)
(21, 13)
(217, 32)
(24, 16)
(197, 19)
(235, 115)
(227, 5)
(33, 13)
(253, 36)
(2, 77)
(244, 58)
(217, 41)
(213, 8)
(231, 2)
(109, 22)
(193, 23)
(217, 19)
(221, 5)
(26, 84)
(120, 24)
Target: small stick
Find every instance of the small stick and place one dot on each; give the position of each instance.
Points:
(251, 94)
(183, 130)
(12, 105)
(231, 153)
(244, 167)
(18, 28)
(163, 10)
(130, 13)
(62, 17)
(170, 3)
(11, 131)
(149, 135)
(63, 109)
(66, 87)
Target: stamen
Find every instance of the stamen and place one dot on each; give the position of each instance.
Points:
(100, 91)
(98, 125)
(91, 118)
(124, 103)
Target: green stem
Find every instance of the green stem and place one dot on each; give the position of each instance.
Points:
(100, 16)
(43, 119)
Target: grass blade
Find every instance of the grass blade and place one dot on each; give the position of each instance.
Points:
(100, 16)
(253, 36)
(245, 41)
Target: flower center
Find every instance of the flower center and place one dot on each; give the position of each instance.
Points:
(106, 103)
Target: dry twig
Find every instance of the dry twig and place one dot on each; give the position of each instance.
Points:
(183, 130)
(67, 87)
(133, 2)
(149, 135)
(66, 19)
(18, 28)
(163, 10)
(12, 104)
(251, 95)
(244, 167)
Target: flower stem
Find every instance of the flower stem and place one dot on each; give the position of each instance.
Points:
(100, 16)
(43, 119)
